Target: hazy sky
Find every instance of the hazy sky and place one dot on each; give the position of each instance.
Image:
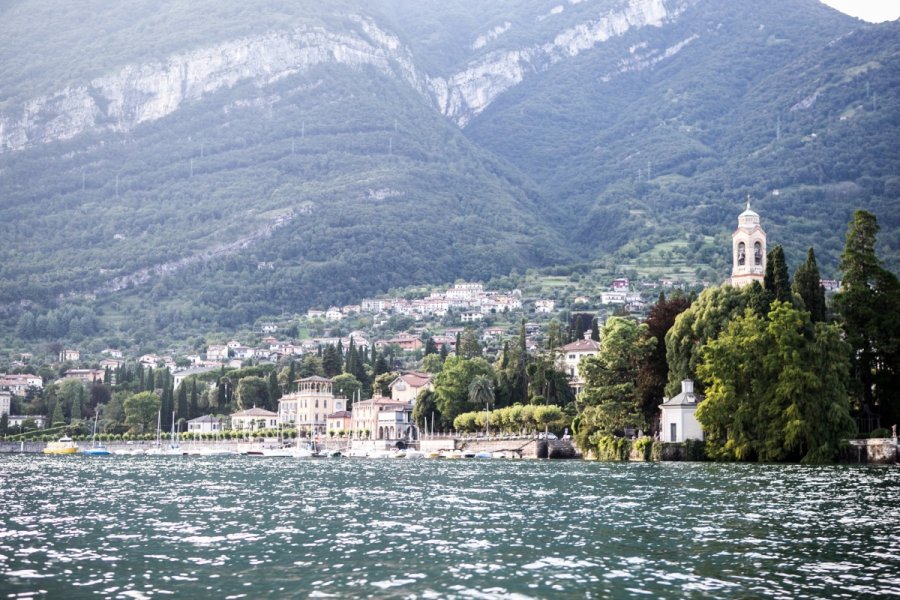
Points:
(875, 11)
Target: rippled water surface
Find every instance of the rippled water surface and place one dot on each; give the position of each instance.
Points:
(78, 527)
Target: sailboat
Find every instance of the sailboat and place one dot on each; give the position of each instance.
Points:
(96, 449)
(172, 449)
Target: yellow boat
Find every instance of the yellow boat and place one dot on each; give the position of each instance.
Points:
(65, 445)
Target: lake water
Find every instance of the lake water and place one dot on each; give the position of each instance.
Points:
(240, 527)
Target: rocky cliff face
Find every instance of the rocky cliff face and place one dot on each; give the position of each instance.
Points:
(140, 93)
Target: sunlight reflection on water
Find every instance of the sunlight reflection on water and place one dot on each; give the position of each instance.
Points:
(233, 526)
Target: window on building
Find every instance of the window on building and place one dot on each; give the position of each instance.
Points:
(674, 434)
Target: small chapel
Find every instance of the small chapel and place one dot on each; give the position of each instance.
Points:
(748, 245)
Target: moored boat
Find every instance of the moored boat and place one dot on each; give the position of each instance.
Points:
(65, 445)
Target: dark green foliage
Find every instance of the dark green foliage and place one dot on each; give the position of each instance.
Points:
(425, 411)
(610, 448)
(331, 361)
(777, 281)
(653, 372)
(777, 389)
(707, 316)
(182, 408)
(807, 285)
(867, 303)
(469, 345)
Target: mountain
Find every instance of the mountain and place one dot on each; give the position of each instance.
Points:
(170, 169)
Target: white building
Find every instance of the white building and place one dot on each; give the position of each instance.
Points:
(217, 352)
(569, 357)
(254, 419)
(206, 424)
(544, 306)
(678, 421)
(5, 400)
(613, 298)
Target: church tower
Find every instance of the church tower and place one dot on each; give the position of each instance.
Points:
(748, 246)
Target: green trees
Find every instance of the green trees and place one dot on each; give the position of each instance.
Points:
(253, 391)
(868, 304)
(807, 285)
(425, 411)
(451, 385)
(777, 389)
(653, 373)
(346, 385)
(481, 391)
(777, 280)
(141, 411)
(696, 326)
(610, 398)
(469, 345)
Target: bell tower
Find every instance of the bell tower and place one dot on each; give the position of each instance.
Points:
(748, 246)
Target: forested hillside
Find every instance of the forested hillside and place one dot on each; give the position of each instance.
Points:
(166, 169)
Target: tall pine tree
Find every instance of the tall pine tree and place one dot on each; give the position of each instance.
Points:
(777, 281)
(867, 302)
(807, 284)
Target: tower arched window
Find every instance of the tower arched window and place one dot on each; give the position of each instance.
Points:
(741, 255)
(757, 254)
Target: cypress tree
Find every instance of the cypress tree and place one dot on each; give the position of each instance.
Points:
(150, 380)
(77, 403)
(181, 403)
(58, 418)
(579, 328)
(808, 286)
(350, 363)
(595, 325)
(331, 361)
(777, 280)
(194, 402)
(867, 302)
(458, 344)
(274, 389)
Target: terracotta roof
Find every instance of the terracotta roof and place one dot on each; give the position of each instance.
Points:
(414, 379)
(341, 414)
(582, 346)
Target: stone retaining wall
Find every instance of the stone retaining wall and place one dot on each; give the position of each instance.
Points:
(878, 451)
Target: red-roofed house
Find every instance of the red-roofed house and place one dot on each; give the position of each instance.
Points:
(407, 386)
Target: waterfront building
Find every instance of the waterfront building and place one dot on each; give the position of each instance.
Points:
(407, 386)
(254, 419)
(307, 408)
(748, 248)
(678, 419)
(339, 422)
(384, 419)
(5, 401)
(206, 424)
